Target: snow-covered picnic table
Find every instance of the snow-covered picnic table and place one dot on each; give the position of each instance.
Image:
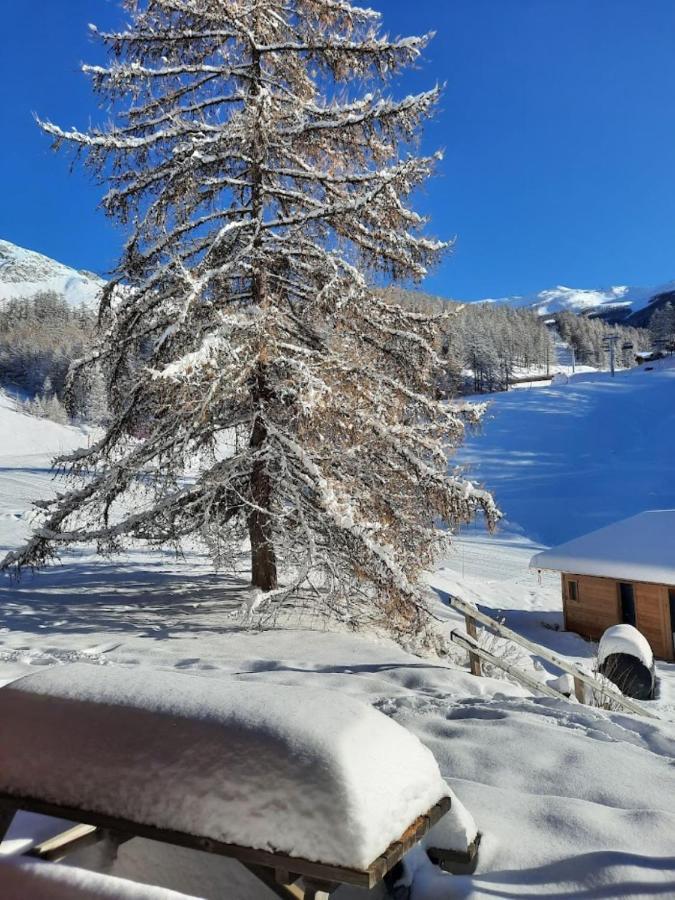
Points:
(312, 782)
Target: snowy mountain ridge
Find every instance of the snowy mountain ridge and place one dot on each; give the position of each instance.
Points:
(624, 298)
(25, 273)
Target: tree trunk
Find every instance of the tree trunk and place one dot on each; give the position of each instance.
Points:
(263, 557)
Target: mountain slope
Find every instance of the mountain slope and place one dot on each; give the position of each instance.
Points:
(642, 317)
(617, 302)
(568, 459)
(25, 273)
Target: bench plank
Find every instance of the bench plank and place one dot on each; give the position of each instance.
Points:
(126, 829)
(54, 849)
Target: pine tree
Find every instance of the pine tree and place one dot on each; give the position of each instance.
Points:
(55, 410)
(95, 407)
(662, 326)
(241, 331)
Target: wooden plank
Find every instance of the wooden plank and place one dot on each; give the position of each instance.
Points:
(61, 845)
(474, 660)
(579, 690)
(289, 891)
(597, 607)
(535, 686)
(398, 849)
(649, 602)
(126, 829)
(615, 581)
(454, 861)
(283, 876)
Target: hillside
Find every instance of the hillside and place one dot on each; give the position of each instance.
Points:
(27, 446)
(25, 273)
(563, 461)
(569, 458)
(621, 304)
(616, 304)
(642, 317)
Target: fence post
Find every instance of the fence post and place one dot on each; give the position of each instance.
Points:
(579, 690)
(474, 661)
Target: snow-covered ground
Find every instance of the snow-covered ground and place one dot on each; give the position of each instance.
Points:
(567, 459)
(563, 461)
(572, 802)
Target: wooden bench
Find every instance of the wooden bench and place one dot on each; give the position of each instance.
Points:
(114, 753)
(281, 873)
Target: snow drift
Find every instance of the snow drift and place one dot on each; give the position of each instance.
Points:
(23, 879)
(299, 771)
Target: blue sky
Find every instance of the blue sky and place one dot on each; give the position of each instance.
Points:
(558, 123)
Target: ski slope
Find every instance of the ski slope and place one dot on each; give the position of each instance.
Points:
(27, 447)
(572, 802)
(567, 459)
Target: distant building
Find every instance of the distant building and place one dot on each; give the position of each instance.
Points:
(622, 573)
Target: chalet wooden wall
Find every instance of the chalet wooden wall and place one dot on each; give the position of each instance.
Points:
(598, 607)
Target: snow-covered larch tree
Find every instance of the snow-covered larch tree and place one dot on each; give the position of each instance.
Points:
(263, 394)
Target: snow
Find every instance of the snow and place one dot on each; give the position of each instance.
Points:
(27, 446)
(636, 549)
(24, 879)
(566, 460)
(563, 683)
(295, 770)
(25, 273)
(625, 639)
(571, 802)
(584, 300)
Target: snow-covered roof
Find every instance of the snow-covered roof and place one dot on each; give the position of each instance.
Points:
(641, 548)
(305, 772)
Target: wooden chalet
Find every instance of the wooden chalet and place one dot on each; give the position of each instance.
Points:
(622, 573)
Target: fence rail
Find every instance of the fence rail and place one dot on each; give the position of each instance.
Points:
(580, 675)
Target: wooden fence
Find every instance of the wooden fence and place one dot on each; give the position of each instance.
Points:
(581, 676)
